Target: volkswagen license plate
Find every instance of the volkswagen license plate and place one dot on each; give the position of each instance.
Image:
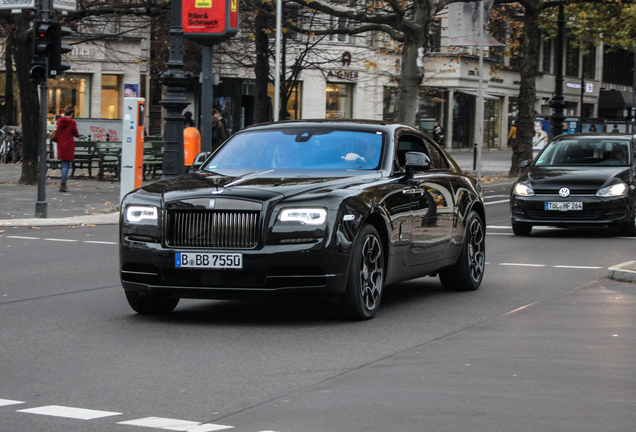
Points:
(208, 260)
(564, 206)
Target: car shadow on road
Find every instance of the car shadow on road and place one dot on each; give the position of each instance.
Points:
(285, 311)
(576, 232)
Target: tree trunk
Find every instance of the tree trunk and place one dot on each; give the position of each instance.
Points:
(8, 84)
(30, 104)
(411, 75)
(262, 104)
(522, 150)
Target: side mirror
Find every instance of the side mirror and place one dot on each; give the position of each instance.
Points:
(416, 161)
(525, 164)
(200, 160)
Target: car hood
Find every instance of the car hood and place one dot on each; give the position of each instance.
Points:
(260, 185)
(574, 177)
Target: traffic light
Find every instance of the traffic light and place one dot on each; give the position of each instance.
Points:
(56, 64)
(43, 38)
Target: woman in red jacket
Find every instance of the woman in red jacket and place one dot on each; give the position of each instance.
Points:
(66, 130)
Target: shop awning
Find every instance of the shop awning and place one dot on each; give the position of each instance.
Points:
(476, 94)
(615, 99)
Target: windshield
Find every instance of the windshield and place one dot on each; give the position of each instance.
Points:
(310, 148)
(586, 151)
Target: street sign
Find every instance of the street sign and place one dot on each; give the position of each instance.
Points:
(208, 22)
(17, 4)
(65, 5)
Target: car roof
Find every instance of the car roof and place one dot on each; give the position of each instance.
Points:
(602, 135)
(331, 123)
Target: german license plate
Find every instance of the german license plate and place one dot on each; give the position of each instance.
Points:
(564, 206)
(208, 260)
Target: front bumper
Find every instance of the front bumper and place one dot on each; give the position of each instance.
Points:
(596, 210)
(302, 269)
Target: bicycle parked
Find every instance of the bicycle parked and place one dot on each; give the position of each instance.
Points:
(10, 144)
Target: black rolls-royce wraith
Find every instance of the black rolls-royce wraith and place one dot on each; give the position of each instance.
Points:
(331, 209)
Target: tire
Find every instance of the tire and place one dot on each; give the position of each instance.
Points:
(468, 272)
(365, 283)
(151, 304)
(521, 229)
(629, 229)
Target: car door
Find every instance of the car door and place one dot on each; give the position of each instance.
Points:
(431, 204)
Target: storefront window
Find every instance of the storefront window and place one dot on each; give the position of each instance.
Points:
(463, 109)
(73, 90)
(110, 96)
(293, 103)
(339, 101)
(389, 103)
(491, 123)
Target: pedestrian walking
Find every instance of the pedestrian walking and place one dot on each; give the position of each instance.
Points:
(218, 130)
(512, 136)
(66, 131)
(438, 134)
(188, 121)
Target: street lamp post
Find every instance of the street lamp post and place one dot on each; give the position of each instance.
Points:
(174, 100)
(557, 103)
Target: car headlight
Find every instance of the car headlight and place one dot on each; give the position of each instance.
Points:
(613, 190)
(524, 190)
(136, 214)
(309, 216)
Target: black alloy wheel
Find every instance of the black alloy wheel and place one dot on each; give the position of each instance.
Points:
(468, 273)
(366, 277)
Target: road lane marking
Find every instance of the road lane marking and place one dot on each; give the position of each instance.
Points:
(100, 242)
(24, 238)
(69, 412)
(577, 267)
(175, 425)
(522, 265)
(498, 196)
(61, 240)
(5, 402)
(497, 202)
(506, 234)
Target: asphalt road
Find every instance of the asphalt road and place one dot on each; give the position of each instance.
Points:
(75, 357)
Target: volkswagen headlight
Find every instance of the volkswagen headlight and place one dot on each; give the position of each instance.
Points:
(617, 189)
(523, 190)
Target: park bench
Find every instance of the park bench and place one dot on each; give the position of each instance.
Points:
(109, 154)
(153, 158)
(85, 157)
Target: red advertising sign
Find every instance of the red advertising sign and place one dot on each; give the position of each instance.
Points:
(209, 21)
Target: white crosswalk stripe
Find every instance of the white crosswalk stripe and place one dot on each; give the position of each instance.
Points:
(175, 425)
(69, 412)
(5, 402)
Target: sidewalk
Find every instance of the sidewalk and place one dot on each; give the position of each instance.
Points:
(89, 201)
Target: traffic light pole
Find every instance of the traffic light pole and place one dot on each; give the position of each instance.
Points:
(41, 206)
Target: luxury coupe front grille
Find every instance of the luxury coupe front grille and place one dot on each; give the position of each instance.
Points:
(213, 229)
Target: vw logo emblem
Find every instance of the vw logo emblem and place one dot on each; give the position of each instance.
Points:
(564, 192)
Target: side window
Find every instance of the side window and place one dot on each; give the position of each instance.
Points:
(438, 161)
(409, 143)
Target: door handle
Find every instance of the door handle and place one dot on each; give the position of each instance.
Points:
(413, 191)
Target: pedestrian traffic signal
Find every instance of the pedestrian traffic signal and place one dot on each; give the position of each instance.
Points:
(56, 64)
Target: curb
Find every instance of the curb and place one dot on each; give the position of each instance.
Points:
(625, 272)
(100, 219)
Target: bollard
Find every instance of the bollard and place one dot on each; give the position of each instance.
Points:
(191, 144)
(475, 157)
